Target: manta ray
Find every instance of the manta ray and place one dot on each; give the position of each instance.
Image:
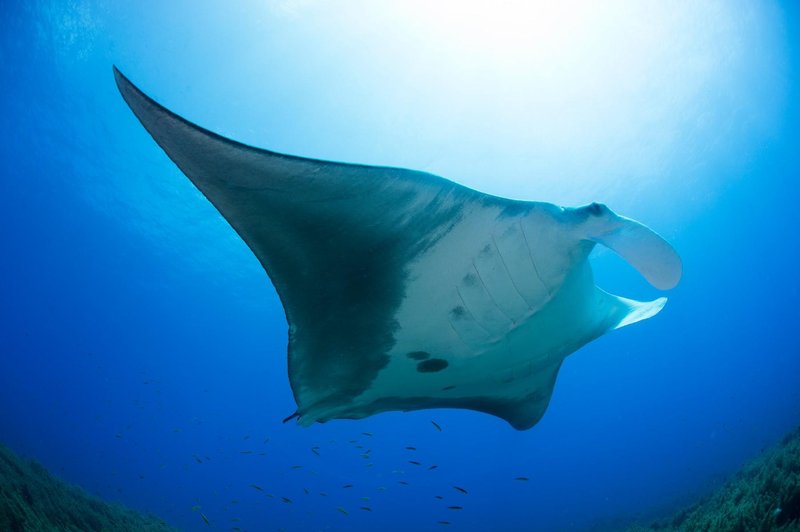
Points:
(406, 291)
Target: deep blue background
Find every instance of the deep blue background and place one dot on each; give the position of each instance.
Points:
(139, 337)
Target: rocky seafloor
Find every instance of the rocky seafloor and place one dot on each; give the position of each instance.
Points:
(33, 500)
(763, 496)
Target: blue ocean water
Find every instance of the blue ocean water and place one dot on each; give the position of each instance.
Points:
(143, 348)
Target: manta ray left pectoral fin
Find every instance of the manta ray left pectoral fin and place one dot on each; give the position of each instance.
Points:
(335, 239)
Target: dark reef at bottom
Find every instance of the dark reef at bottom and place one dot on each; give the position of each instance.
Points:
(763, 496)
(31, 499)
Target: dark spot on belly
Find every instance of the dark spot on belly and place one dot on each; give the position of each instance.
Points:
(432, 366)
(458, 312)
(418, 355)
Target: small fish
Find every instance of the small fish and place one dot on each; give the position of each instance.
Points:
(235, 528)
(462, 490)
(323, 494)
(366, 508)
(195, 507)
(435, 424)
(455, 507)
(447, 388)
(414, 462)
(287, 500)
(365, 456)
(342, 510)
(245, 452)
(306, 491)
(438, 497)
(364, 498)
(368, 434)
(381, 488)
(315, 451)
(205, 518)
(409, 448)
(523, 479)
(434, 466)
(347, 486)
(444, 522)
(270, 495)
(353, 441)
(257, 487)
(266, 440)
(296, 467)
(235, 520)
(359, 446)
(234, 501)
(197, 459)
(403, 482)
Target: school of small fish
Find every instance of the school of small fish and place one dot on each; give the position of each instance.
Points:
(453, 504)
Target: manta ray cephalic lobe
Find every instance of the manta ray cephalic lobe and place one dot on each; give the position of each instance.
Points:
(404, 290)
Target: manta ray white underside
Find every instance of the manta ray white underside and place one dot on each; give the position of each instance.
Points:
(405, 291)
